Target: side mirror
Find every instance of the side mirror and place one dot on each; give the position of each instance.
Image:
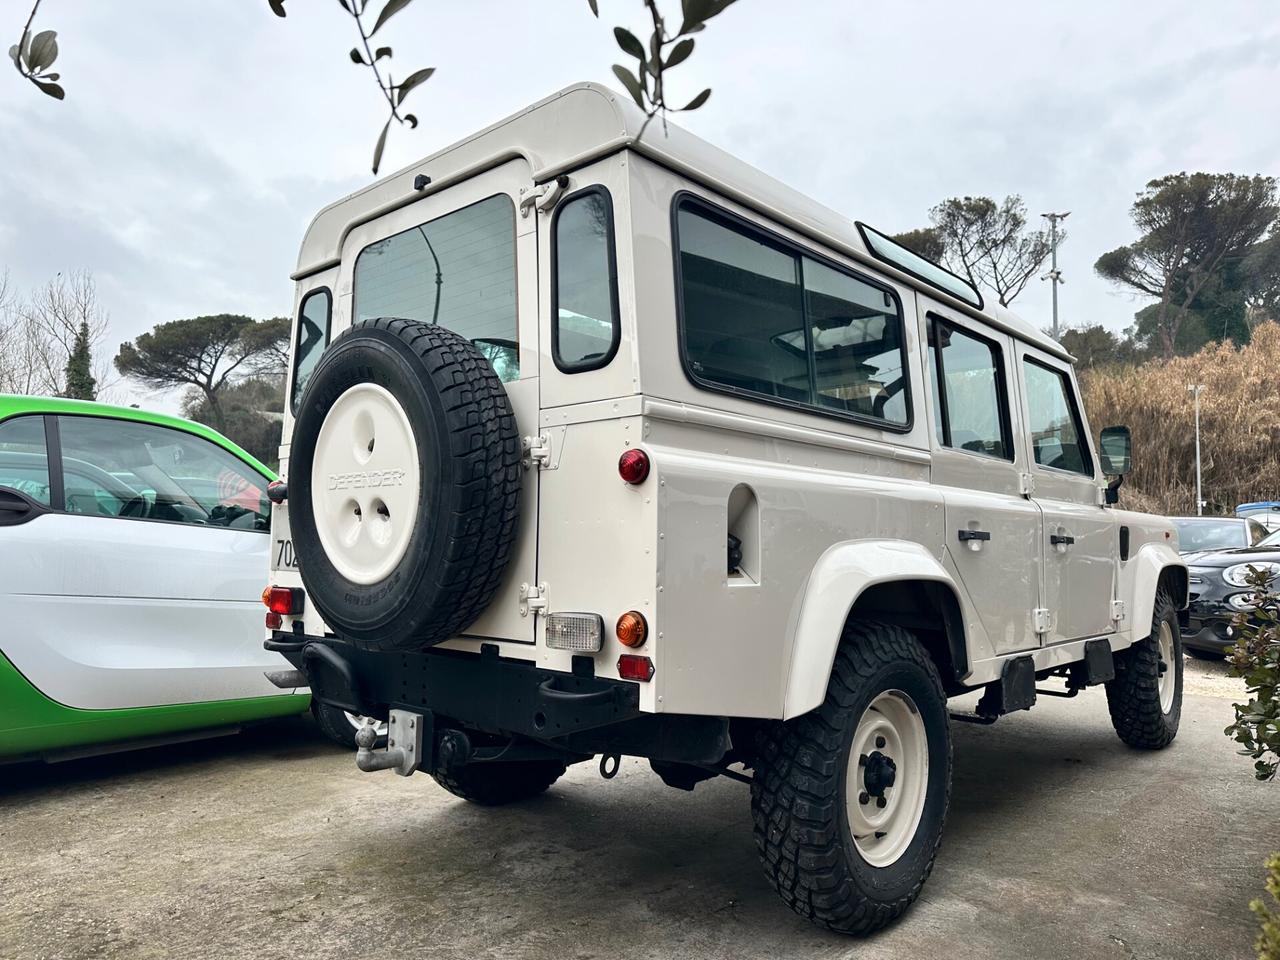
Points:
(1115, 448)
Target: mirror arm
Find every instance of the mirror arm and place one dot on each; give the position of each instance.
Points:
(1113, 489)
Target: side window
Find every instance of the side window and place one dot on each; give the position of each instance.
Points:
(119, 468)
(1256, 531)
(24, 458)
(1056, 437)
(971, 412)
(759, 317)
(313, 336)
(585, 329)
(458, 270)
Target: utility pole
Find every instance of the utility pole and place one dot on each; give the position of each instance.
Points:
(1195, 389)
(1054, 274)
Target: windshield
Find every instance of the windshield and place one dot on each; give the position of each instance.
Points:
(1270, 540)
(1209, 534)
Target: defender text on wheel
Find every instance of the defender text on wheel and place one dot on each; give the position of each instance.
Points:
(601, 444)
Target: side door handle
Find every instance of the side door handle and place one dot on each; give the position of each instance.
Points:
(17, 508)
(1061, 539)
(979, 535)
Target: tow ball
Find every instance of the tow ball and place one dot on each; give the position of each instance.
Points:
(404, 744)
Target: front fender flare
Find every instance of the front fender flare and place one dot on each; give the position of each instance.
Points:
(1150, 564)
(839, 577)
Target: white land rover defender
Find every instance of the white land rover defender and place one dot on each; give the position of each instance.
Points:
(605, 444)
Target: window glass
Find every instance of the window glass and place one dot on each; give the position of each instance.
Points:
(458, 271)
(758, 317)
(118, 468)
(586, 328)
(24, 458)
(312, 338)
(1256, 532)
(970, 414)
(857, 345)
(893, 252)
(1055, 428)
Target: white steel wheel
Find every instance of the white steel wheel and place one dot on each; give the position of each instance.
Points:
(1168, 666)
(364, 482)
(887, 778)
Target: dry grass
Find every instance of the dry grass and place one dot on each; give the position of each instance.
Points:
(1239, 424)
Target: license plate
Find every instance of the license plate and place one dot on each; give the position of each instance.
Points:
(285, 558)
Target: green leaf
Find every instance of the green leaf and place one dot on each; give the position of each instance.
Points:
(381, 52)
(277, 7)
(390, 10)
(52, 89)
(411, 81)
(14, 56)
(356, 58)
(630, 82)
(695, 13)
(382, 142)
(681, 53)
(44, 50)
(595, 9)
(698, 101)
(346, 6)
(628, 42)
(411, 120)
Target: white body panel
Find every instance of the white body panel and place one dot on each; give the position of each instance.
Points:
(107, 612)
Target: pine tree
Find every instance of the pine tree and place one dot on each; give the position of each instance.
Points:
(80, 382)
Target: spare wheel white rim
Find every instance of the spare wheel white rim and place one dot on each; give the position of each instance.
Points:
(887, 778)
(1168, 667)
(364, 484)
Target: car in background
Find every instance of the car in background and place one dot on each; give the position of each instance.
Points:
(1198, 534)
(132, 552)
(1266, 512)
(1219, 590)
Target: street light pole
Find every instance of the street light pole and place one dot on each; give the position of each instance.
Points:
(1054, 274)
(1195, 390)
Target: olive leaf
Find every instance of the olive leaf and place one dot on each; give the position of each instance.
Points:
(357, 58)
(595, 10)
(630, 82)
(628, 42)
(680, 53)
(698, 101)
(381, 52)
(390, 10)
(411, 81)
(382, 142)
(52, 89)
(44, 50)
(277, 7)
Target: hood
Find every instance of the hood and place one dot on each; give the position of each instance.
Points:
(1228, 558)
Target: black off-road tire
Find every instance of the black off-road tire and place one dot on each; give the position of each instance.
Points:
(798, 799)
(469, 485)
(1133, 697)
(495, 783)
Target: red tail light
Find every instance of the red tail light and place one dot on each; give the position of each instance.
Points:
(274, 620)
(286, 601)
(632, 667)
(633, 466)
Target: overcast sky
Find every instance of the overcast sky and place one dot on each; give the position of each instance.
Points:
(197, 139)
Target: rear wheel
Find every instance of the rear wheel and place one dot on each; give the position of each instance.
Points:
(1145, 698)
(493, 783)
(849, 800)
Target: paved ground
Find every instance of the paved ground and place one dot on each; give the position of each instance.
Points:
(1061, 843)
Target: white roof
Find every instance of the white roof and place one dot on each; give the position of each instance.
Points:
(587, 121)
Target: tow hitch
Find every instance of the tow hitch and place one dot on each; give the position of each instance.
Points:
(404, 744)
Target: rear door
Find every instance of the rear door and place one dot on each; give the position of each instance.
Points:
(1078, 539)
(467, 259)
(992, 529)
(140, 584)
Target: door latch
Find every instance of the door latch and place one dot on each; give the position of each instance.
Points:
(543, 197)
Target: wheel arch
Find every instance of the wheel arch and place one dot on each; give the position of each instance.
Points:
(894, 581)
(1157, 566)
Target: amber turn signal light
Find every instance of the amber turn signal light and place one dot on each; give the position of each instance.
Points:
(632, 630)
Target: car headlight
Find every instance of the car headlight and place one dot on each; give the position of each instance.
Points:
(1240, 601)
(1238, 576)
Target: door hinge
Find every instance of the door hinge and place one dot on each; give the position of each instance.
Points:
(533, 598)
(537, 451)
(1026, 484)
(1117, 611)
(1043, 619)
(544, 196)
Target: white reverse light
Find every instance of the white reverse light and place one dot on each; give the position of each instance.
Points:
(580, 632)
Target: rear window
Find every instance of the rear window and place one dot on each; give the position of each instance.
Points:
(312, 337)
(585, 335)
(458, 270)
(24, 459)
(761, 317)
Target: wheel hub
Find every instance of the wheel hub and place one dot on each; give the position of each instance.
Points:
(879, 774)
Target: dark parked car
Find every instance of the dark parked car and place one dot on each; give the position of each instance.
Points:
(1198, 534)
(1220, 590)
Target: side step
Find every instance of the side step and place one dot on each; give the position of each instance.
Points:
(1016, 688)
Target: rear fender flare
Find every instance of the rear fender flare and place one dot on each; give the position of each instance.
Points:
(840, 576)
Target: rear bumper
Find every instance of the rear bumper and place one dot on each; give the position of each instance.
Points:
(482, 692)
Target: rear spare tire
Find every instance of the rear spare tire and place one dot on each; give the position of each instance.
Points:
(404, 484)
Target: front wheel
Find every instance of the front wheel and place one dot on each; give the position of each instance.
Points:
(849, 800)
(1145, 698)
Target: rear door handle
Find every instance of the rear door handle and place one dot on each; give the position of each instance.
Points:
(967, 535)
(1061, 539)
